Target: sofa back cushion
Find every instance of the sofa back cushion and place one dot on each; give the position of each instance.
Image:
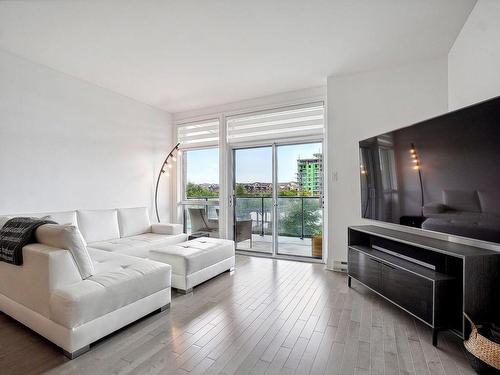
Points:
(67, 237)
(133, 221)
(490, 201)
(98, 225)
(462, 200)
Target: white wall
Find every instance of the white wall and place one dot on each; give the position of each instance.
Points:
(67, 144)
(474, 59)
(364, 105)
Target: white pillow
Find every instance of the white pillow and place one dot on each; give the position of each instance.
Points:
(67, 237)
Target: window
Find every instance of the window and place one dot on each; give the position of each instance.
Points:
(294, 121)
(199, 141)
(201, 178)
(198, 133)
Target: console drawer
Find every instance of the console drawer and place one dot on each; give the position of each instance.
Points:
(365, 269)
(412, 292)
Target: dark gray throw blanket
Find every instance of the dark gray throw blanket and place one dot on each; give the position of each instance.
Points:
(15, 234)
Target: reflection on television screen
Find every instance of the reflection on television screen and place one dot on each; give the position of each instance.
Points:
(442, 174)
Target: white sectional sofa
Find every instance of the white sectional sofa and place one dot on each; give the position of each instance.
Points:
(132, 277)
(129, 231)
(124, 230)
(48, 294)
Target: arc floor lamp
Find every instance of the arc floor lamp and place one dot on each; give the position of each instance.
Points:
(164, 169)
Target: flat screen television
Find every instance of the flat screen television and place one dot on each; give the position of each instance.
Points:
(442, 174)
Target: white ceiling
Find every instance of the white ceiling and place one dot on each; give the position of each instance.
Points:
(181, 55)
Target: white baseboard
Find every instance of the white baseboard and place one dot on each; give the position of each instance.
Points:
(338, 266)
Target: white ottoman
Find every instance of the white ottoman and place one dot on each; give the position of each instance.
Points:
(195, 261)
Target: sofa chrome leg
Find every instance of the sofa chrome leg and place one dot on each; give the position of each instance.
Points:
(77, 353)
(230, 269)
(165, 307)
(185, 291)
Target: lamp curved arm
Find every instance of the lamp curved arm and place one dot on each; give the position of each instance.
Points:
(162, 170)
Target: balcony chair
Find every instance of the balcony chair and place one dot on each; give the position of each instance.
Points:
(243, 230)
(201, 223)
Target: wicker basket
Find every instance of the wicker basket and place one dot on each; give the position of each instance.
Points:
(483, 353)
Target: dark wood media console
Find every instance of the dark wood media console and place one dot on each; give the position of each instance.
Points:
(434, 280)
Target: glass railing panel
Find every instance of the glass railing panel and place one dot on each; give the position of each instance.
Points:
(300, 221)
(290, 217)
(207, 223)
(254, 223)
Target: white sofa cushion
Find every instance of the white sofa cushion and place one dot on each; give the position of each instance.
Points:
(98, 225)
(139, 245)
(192, 256)
(167, 228)
(67, 237)
(119, 281)
(133, 221)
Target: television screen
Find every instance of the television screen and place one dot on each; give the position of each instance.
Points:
(441, 174)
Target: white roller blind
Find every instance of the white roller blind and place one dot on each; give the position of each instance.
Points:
(199, 133)
(295, 121)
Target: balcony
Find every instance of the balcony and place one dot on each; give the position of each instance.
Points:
(299, 221)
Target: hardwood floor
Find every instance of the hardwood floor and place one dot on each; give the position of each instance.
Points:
(267, 317)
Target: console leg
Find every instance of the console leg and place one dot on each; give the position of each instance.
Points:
(349, 281)
(76, 353)
(434, 337)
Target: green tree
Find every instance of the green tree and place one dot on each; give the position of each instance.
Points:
(240, 190)
(291, 222)
(198, 191)
(294, 193)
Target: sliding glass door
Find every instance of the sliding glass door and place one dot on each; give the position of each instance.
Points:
(277, 199)
(299, 200)
(253, 199)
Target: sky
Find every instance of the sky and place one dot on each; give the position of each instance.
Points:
(252, 165)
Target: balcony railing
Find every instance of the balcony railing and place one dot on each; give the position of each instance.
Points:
(210, 204)
(298, 216)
